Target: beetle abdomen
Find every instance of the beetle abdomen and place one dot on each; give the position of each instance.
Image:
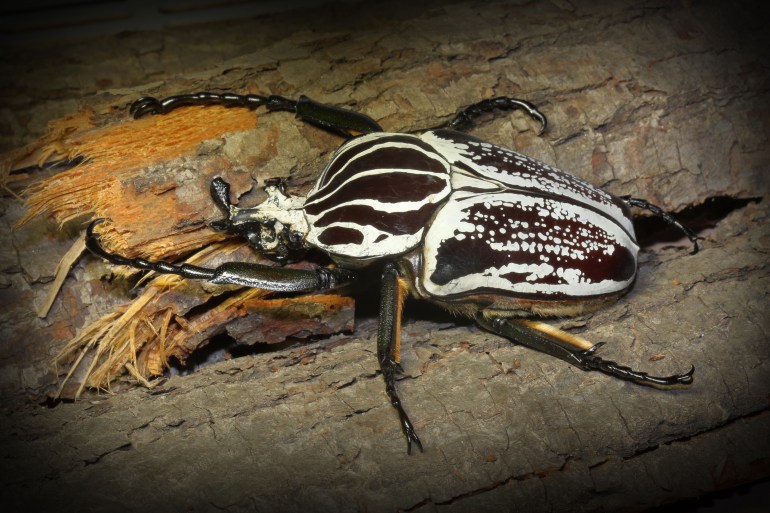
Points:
(376, 197)
(508, 242)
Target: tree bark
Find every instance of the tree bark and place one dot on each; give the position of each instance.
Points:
(664, 102)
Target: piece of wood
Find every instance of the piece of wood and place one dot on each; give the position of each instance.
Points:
(664, 102)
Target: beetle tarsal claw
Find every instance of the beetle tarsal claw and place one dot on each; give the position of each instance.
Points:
(575, 350)
(589, 361)
(145, 105)
(411, 437)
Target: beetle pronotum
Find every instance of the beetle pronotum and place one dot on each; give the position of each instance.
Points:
(478, 229)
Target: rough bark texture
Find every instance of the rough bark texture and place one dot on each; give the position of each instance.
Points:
(665, 102)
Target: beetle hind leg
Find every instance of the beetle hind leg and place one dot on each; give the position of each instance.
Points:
(575, 350)
(659, 212)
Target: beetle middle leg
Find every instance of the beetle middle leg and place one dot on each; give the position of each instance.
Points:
(388, 343)
(573, 349)
(466, 115)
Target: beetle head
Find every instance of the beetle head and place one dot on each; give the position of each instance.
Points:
(275, 227)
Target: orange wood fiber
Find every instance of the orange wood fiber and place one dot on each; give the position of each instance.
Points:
(112, 155)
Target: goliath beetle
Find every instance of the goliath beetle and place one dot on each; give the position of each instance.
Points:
(480, 230)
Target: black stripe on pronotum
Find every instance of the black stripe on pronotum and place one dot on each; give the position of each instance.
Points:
(478, 229)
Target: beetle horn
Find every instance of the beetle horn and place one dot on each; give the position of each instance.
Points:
(274, 227)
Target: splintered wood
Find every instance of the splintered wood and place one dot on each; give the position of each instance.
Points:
(170, 318)
(113, 179)
(143, 336)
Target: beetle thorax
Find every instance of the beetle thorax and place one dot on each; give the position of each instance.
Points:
(376, 198)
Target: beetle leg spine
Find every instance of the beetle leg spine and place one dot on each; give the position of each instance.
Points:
(558, 334)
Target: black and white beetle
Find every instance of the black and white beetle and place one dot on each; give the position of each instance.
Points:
(481, 230)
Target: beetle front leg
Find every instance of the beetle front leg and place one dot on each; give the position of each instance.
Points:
(389, 343)
(277, 279)
(149, 105)
(573, 349)
(343, 122)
